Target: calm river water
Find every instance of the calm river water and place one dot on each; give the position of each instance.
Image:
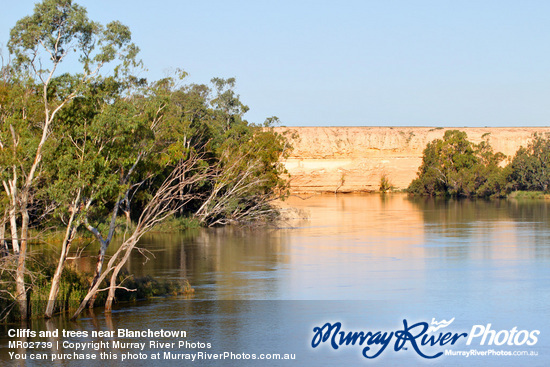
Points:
(370, 262)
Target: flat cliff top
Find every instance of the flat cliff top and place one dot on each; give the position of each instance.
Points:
(362, 141)
(353, 159)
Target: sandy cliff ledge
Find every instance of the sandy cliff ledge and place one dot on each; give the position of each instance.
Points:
(352, 159)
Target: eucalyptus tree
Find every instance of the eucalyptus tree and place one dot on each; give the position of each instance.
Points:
(57, 33)
(530, 167)
(227, 103)
(113, 148)
(243, 158)
(164, 201)
(90, 145)
(95, 149)
(128, 154)
(454, 166)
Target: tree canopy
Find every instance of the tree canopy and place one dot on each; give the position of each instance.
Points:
(530, 168)
(79, 149)
(454, 166)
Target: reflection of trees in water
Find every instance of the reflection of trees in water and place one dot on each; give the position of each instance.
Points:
(535, 211)
(533, 217)
(462, 212)
(523, 223)
(203, 251)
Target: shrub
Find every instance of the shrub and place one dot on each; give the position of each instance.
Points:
(530, 167)
(454, 166)
(385, 183)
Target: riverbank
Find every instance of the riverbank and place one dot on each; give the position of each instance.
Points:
(354, 159)
(74, 285)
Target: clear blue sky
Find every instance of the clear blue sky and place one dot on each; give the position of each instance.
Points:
(343, 63)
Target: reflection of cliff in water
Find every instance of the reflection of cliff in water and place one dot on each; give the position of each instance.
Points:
(385, 225)
(338, 237)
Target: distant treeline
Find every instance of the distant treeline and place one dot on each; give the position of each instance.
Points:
(454, 166)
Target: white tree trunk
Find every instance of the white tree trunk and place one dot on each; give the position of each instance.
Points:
(65, 247)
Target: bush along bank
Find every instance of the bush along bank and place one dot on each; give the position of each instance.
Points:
(455, 167)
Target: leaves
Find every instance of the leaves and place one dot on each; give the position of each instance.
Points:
(453, 166)
(88, 146)
(56, 27)
(530, 168)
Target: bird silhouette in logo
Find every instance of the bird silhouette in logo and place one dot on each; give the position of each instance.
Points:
(439, 325)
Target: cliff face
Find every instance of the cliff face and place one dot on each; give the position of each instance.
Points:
(352, 159)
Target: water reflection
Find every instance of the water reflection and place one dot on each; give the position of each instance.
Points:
(357, 247)
(222, 263)
(396, 256)
(506, 229)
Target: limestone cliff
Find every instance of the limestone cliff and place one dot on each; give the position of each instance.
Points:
(352, 159)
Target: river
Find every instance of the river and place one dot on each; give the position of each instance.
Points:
(378, 263)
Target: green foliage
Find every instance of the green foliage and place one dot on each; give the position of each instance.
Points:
(146, 287)
(530, 167)
(58, 28)
(93, 145)
(529, 195)
(74, 285)
(456, 167)
(98, 138)
(117, 137)
(453, 166)
(8, 309)
(20, 113)
(53, 125)
(242, 159)
(178, 224)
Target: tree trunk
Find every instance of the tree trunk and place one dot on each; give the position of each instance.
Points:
(110, 265)
(128, 218)
(103, 249)
(13, 227)
(4, 251)
(10, 187)
(54, 290)
(157, 209)
(97, 272)
(112, 288)
(21, 295)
